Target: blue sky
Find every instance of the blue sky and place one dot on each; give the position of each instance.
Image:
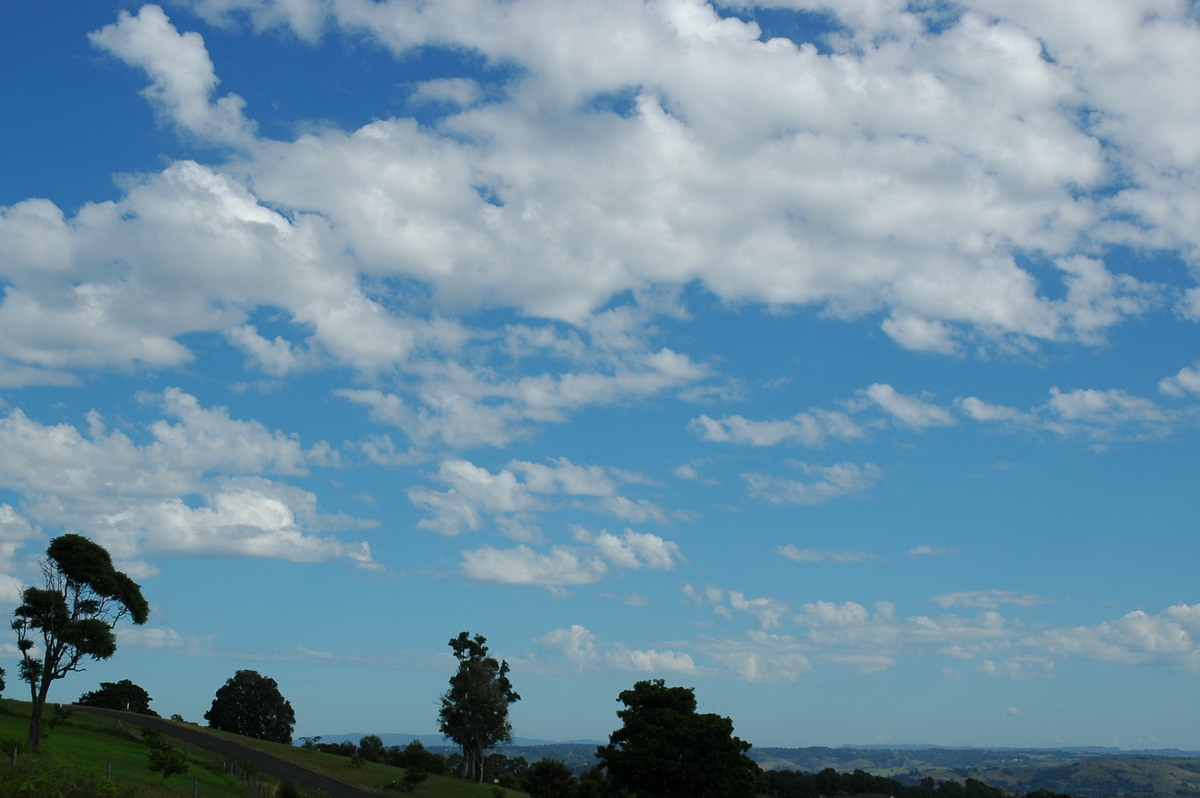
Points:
(839, 360)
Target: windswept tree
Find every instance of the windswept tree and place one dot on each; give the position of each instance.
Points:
(250, 704)
(667, 750)
(71, 617)
(474, 711)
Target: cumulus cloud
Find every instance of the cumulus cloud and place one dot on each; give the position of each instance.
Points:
(585, 651)
(817, 426)
(825, 483)
(199, 483)
(513, 496)
(759, 657)
(725, 171)
(590, 561)
(807, 429)
(849, 635)
(182, 74)
(1099, 415)
(908, 410)
(1187, 381)
(1171, 638)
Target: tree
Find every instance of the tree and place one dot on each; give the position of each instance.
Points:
(250, 704)
(71, 617)
(474, 711)
(550, 778)
(119, 695)
(163, 757)
(370, 748)
(667, 750)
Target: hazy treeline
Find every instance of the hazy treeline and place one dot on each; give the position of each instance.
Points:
(828, 782)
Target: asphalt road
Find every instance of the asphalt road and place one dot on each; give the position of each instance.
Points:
(272, 766)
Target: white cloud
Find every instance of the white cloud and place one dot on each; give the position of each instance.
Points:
(195, 487)
(464, 407)
(910, 411)
(1186, 381)
(828, 482)
(987, 599)
(524, 566)
(592, 560)
(929, 158)
(1090, 413)
(807, 429)
(1171, 638)
(759, 657)
(585, 651)
(462, 92)
(769, 612)
(980, 410)
(277, 357)
(929, 551)
(575, 642)
(158, 638)
(181, 71)
(520, 490)
(793, 552)
(635, 549)
(651, 661)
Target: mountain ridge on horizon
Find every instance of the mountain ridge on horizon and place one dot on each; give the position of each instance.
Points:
(439, 741)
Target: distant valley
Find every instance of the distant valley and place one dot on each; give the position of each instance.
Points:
(1091, 772)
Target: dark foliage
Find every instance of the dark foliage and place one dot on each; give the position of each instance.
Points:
(474, 711)
(550, 778)
(71, 617)
(250, 704)
(665, 749)
(119, 695)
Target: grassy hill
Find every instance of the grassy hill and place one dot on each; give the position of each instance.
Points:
(1127, 776)
(87, 756)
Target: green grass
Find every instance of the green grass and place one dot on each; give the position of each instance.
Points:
(96, 746)
(92, 744)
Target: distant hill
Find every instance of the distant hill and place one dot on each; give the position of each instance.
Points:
(436, 740)
(1094, 772)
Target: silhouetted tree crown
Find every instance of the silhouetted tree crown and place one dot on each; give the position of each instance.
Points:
(665, 749)
(119, 695)
(71, 617)
(474, 712)
(250, 704)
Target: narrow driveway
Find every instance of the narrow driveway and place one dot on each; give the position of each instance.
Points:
(272, 766)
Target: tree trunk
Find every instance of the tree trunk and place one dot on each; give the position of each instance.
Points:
(34, 740)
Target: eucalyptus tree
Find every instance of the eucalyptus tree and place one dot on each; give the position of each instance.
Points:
(474, 712)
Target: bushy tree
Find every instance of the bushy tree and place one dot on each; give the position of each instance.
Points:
(250, 704)
(370, 748)
(667, 750)
(474, 711)
(550, 778)
(164, 758)
(416, 756)
(119, 695)
(71, 617)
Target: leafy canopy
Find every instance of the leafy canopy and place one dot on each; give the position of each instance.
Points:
(665, 749)
(474, 711)
(250, 704)
(119, 695)
(71, 616)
